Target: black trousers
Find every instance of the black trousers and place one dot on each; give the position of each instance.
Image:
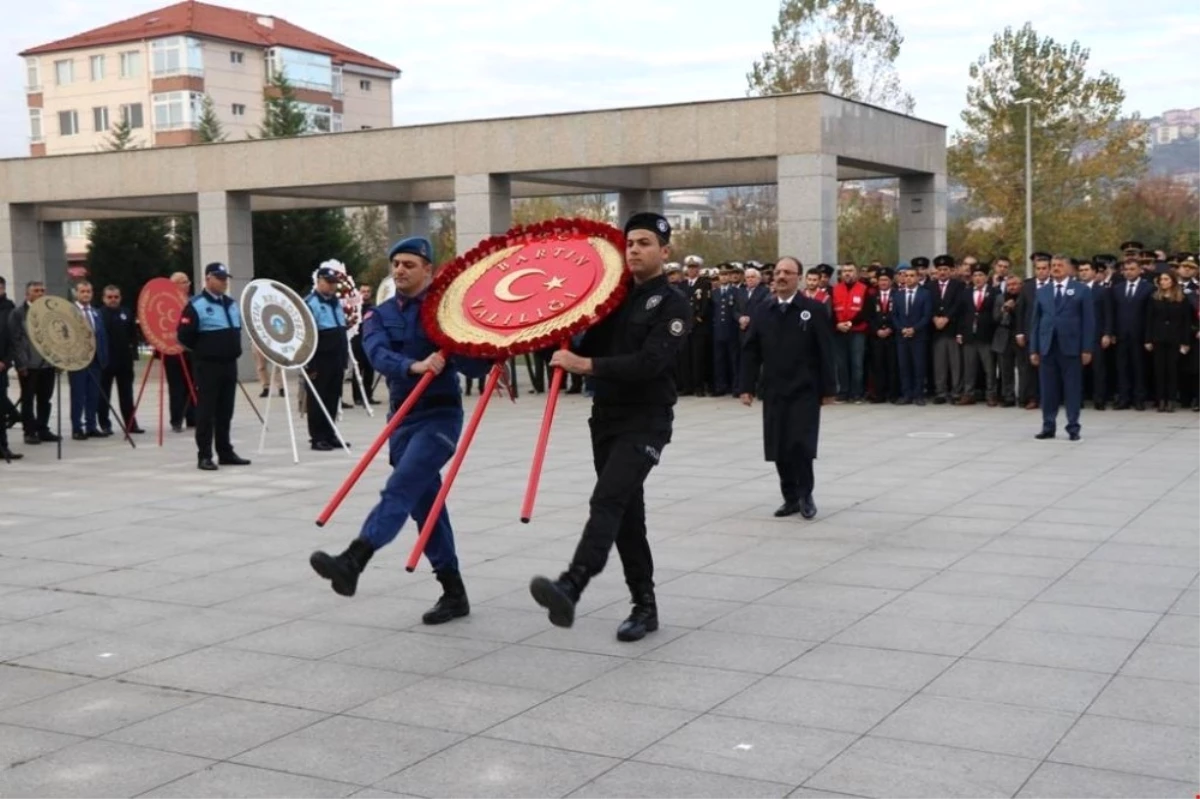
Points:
(365, 370)
(1029, 390)
(885, 368)
(696, 377)
(37, 386)
(122, 376)
(795, 476)
(1095, 377)
(216, 385)
(623, 458)
(325, 371)
(1166, 371)
(1131, 370)
(3, 412)
(179, 399)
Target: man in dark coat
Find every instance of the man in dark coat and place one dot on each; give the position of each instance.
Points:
(120, 328)
(791, 339)
(1029, 388)
(881, 336)
(1095, 376)
(696, 376)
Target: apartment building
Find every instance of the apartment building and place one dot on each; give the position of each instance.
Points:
(154, 70)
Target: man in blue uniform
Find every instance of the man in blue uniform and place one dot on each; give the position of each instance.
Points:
(398, 348)
(328, 363)
(211, 327)
(631, 355)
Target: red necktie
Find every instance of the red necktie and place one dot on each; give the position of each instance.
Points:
(978, 300)
(883, 301)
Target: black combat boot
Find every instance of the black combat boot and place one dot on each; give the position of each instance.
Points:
(560, 596)
(642, 619)
(453, 603)
(342, 571)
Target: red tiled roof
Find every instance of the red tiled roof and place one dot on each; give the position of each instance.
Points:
(216, 22)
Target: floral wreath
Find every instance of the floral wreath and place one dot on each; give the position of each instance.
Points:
(346, 292)
(442, 328)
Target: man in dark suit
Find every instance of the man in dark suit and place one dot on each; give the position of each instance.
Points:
(1130, 299)
(881, 338)
(976, 325)
(1004, 345)
(1062, 330)
(1096, 375)
(120, 329)
(695, 376)
(1029, 388)
(726, 347)
(947, 296)
(911, 313)
(791, 340)
(85, 383)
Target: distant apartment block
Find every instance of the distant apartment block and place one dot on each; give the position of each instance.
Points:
(155, 69)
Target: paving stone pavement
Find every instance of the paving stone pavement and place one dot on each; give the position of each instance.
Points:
(973, 613)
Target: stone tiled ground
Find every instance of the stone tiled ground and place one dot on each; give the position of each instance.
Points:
(973, 615)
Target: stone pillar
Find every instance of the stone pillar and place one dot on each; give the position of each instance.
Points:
(922, 212)
(226, 235)
(807, 208)
(197, 263)
(54, 259)
(408, 219)
(631, 201)
(482, 208)
(20, 248)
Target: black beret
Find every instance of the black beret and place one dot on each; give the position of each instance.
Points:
(980, 269)
(825, 269)
(1040, 256)
(648, 220)
(944, 260)
(886, 271)
(920, 262)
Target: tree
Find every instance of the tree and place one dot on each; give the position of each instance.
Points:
(127, 252)
(210, 129)
(844, 47)
(289, 245)
(1082, 148)
(868, 228)
(1158, 211)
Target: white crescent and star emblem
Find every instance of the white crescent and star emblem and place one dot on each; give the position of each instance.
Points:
(504, 290)
(805, 316)
(653, 302)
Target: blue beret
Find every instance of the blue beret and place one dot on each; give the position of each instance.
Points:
(904, 267)
(415, 245)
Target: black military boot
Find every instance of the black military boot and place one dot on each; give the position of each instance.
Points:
(453, 603)
(642, 619)
(342, 571)
(560, 596)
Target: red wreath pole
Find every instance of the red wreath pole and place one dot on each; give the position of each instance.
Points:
(460, 455)
(145, 378)
(543, 441)
(187, 375)
(370, 454)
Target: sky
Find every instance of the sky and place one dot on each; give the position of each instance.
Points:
(475, 59)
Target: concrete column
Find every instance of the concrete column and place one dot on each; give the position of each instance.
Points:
(196, 262)
(631, 201)
(225, 234)
(407, 219)
(807, 207)
(20, 248)
(922, 213)
(482, 208)
(54, 259)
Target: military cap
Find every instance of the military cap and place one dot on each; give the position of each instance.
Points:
(886, 271)
(1132, 245)
(944, 260)
(648, 220)
(327, 273)
(217, 268)
(979, 269)
(824, 269)
(1184, 257)
(1147, 256)
(1040, 256)
(413, 245)
(1104, 260)
(673, 267)
(693, 260)
(920, 262)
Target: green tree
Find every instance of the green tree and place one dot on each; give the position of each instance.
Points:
(845, 47)
(289, 245)
(127, 252)
(1083, 149)
(1158, 211)
(210, 129)
(868, 228)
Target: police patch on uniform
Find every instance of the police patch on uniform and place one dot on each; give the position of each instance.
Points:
(676, 327)
(653, 302)
(805, 316)
(663, 227)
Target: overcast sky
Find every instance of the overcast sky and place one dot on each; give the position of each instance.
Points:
(468, 59)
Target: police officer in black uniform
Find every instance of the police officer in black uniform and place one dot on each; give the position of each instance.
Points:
(630, 356)
(328, 363)
(211, 327)
(695, 376)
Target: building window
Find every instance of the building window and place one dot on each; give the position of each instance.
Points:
(76, 229)
(33, 75)
(177, 55)
(64, 72)
(131, 64)
(336, 82)
(364, 127)
(174, 110)
(320, 117)
(35, 124)
(100, 118)
(236, 56)
(97, 62)
(132, 115)
(336, 126)
(364, 85)
(303, 69)
(68, 123)
(239, 110)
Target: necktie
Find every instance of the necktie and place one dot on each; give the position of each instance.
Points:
(908, 302)
(883, 301)
(978, 300)
(1129, 292)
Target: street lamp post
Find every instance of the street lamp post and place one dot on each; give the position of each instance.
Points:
(1028, 103)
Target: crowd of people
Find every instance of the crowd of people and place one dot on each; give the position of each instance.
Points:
(957, 331)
